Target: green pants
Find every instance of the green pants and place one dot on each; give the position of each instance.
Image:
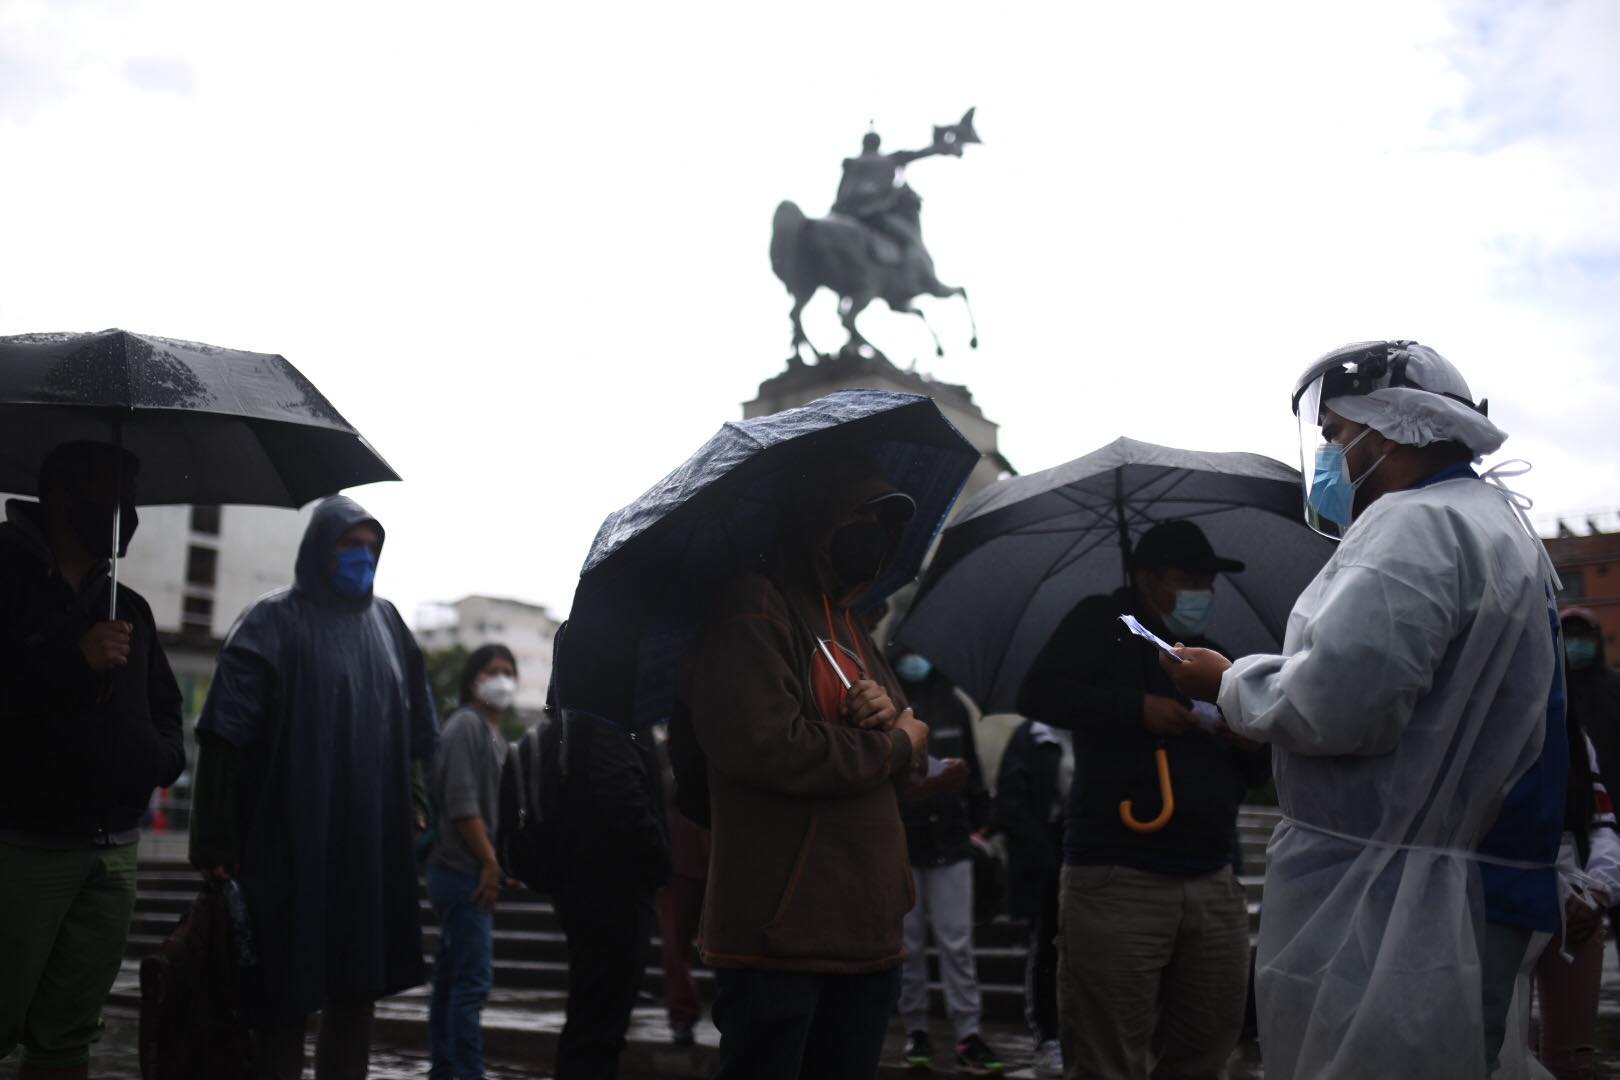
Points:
(64, 917)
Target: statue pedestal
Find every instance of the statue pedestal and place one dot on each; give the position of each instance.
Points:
(802, 383)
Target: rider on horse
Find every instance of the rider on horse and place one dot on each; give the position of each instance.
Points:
(874, 191)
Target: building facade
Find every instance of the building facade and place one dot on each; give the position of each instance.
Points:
(1590, 568)
(527, 629)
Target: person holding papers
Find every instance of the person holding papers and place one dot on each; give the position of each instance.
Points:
(1154, 947)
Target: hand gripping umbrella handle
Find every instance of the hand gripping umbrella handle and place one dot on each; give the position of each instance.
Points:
(1166, 795)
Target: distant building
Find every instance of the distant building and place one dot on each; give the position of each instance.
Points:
(1590, 569)
(527, 629)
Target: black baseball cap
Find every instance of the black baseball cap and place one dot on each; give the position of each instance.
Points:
(1180, 544)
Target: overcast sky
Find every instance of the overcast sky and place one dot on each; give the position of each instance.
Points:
(523, 247)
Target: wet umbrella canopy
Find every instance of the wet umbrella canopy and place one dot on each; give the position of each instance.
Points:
(655, 564)
(209, 425)
(1029, 548)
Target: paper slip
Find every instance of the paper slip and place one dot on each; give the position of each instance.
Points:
(1141, 631)
(1207, 715)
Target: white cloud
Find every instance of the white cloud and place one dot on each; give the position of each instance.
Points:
(523, 247)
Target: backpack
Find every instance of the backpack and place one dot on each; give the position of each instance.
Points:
(528, 839)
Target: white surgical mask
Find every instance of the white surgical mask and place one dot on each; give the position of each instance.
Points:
(497, 691)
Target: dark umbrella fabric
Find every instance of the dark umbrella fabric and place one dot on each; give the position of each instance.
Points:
(210, 425)
(654, 565)
(1029, 548)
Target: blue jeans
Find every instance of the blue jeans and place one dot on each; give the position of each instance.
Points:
(779, 1025)
(463, 970)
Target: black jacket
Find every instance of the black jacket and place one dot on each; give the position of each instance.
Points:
(1091, 678)
(1026, 788)
(937, 827)
(82, 751)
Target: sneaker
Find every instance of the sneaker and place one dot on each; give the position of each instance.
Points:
(977, 1059)
(680, 1033)
(919, 1051)
(1049, 1060)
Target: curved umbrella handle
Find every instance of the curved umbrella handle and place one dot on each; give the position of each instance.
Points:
(1166, 795)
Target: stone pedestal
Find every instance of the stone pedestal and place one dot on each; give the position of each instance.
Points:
(802, 383)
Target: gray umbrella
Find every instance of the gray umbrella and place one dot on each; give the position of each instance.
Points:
(1029, 548)
(209, 425)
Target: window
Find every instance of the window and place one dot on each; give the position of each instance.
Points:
(1574, 586)
(202, 566)
(198, 614)
(205, 520)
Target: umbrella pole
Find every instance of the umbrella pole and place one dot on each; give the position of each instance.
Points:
(118, 518)
(1124, 532)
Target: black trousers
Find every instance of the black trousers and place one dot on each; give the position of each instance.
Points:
(342, 1049)
(1041, 966)
(778, 1025)
(609, 931)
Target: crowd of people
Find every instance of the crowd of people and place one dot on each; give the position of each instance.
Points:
(1437, 731)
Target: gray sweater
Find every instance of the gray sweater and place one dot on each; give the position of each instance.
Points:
(466, 783)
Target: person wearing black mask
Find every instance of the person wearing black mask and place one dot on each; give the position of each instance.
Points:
(309, 787)
(91, 715)
(808, 875)
(1594, 699)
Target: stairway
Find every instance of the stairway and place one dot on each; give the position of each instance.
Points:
(530, 953)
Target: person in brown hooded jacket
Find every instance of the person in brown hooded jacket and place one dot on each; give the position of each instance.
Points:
(809, 879)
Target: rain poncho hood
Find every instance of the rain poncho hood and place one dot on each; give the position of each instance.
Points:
(1412, 694)
(325, 697)
(312, 574)
(1414, 417)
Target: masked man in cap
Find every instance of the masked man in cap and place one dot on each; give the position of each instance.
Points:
(1417, 720)
(1154, 946)
(90, 715)
(809, 880)
(311, 741)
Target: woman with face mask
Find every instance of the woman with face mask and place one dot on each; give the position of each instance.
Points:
(463, 874)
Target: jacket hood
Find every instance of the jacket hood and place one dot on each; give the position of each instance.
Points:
(1588, 617)
(333, 516)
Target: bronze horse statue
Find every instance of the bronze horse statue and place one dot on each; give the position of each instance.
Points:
(870, 247)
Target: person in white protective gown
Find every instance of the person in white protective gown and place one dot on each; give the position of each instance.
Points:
(1417, 730)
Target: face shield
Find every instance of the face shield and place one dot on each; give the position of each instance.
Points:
(1319, 466)
(1351, 371)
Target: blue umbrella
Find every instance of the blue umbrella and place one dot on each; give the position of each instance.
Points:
(655, 564)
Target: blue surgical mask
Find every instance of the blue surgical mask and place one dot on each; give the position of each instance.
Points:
(1333, 493)
(356, 569)
(1580, 652)
(913, 668)
(1190, 618)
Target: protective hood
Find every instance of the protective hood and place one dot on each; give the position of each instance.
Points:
(1438, 412)
(332, 517)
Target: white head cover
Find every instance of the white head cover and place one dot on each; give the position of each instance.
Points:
(1416, 417)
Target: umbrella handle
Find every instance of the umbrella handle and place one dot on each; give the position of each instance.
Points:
(1166, 795)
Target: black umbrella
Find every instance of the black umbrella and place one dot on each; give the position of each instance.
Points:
(1030, 547)
(655, 564)
(209, 425)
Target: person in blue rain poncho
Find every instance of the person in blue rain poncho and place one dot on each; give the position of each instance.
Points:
(311, 743)
(1416, 719)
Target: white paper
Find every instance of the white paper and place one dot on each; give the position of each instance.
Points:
(1207, 715)
(1135, 627)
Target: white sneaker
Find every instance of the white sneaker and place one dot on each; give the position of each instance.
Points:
(1049, 1060)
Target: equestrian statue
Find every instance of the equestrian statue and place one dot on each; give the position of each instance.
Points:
(870, 247)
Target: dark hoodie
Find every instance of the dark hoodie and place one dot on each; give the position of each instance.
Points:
(1594, 704)
(325, 701)
(82, 751)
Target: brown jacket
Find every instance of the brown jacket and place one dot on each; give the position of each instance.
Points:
(808, 867)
